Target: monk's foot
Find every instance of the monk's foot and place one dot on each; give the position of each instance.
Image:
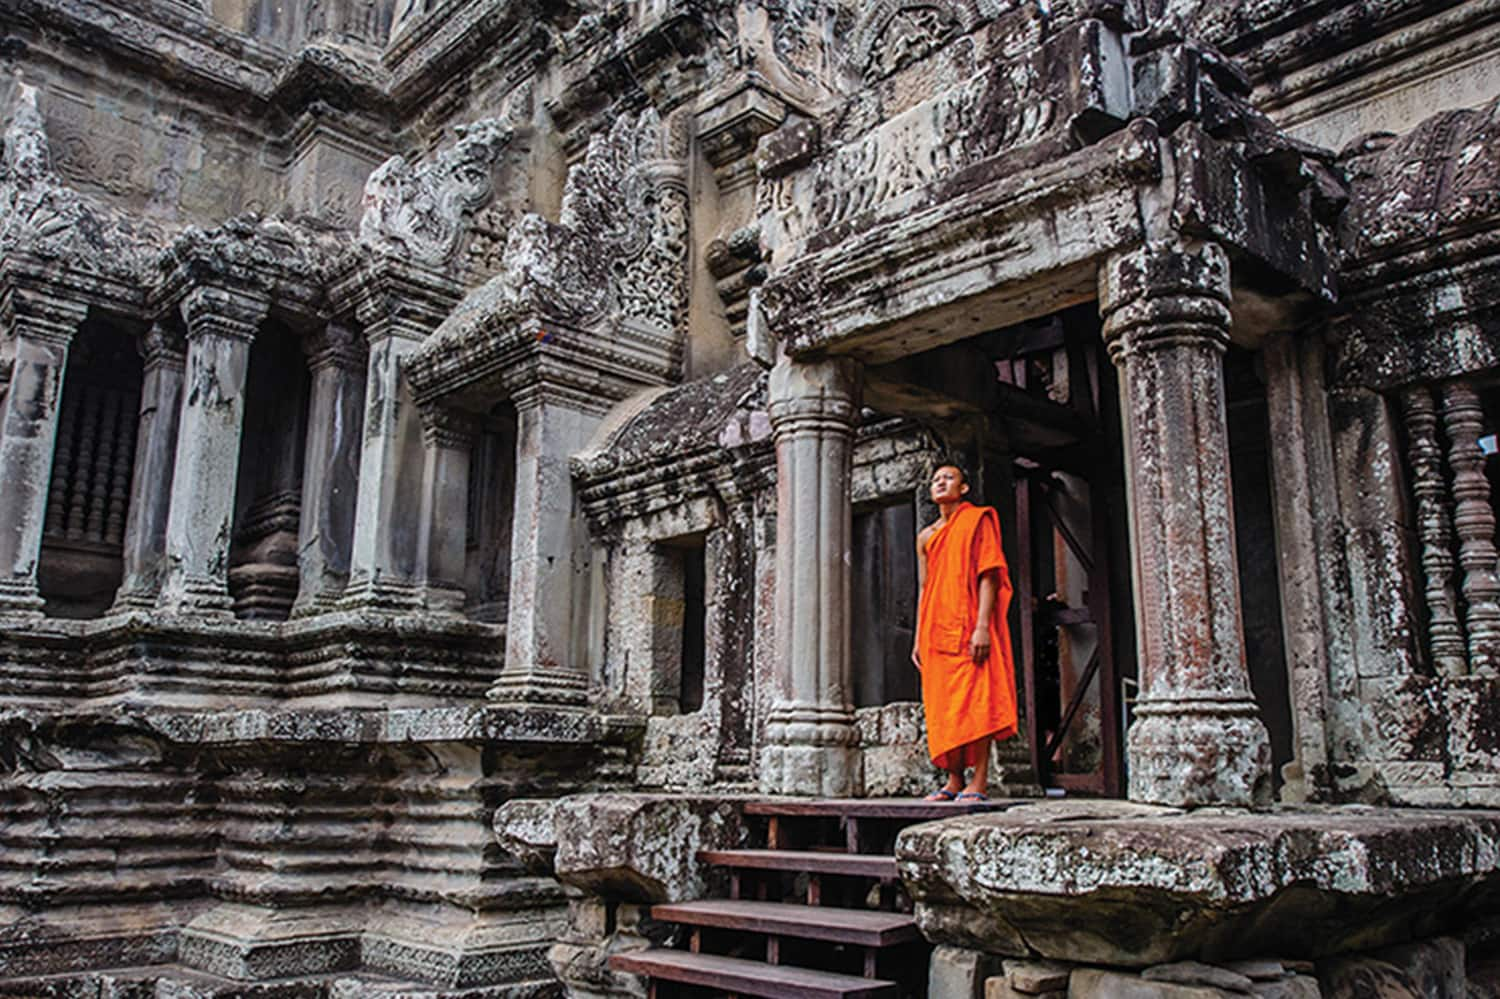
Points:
(971, 794)
(941, 794)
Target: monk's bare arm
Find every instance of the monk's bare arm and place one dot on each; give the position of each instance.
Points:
(922, 536)
(979, 642)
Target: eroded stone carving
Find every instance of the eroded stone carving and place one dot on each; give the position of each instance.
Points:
(418, 209)
(41, 216)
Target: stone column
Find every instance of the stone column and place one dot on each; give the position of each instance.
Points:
(221, 325)
(145, 544)
(42, 328)
(1197, 737)
(810, 742)
(546, 624)
(447, 441)
(398, 304)
(330, 469)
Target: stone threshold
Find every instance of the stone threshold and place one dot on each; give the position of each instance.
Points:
(1128, 885)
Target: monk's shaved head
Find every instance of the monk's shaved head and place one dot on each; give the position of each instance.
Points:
(963, 473)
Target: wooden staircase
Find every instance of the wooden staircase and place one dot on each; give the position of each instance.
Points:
(818, 913)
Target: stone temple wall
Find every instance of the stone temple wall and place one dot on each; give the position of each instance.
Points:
(407, 407)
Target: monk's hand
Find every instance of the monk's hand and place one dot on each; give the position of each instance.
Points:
(916, 660)
(979, 645)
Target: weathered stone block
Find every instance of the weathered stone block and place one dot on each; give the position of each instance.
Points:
(1197, 973)
(956, 973)
(1094, 983)
(525, 827)
(1034, 978)
(643, 847)
(1131, 885)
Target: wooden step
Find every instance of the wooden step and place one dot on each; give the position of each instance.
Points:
(848, 926)
(750, 978)
(862, 865)
(908, 809)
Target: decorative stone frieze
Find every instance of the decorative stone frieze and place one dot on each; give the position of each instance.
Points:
(1197, 737)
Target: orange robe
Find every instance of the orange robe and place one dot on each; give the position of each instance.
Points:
(964, 702)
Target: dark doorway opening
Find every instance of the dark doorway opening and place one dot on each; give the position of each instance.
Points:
(82, 536)
(694, 627)
(883, 600)
(1255, 546)
(1033, 410)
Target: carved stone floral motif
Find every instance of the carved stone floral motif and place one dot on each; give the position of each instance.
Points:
(417, 210)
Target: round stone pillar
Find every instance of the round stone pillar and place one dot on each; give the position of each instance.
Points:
(810, 742)
(1197, 737)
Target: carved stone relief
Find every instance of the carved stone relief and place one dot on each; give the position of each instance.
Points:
(418, 210)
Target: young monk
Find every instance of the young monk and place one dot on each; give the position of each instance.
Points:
(962, 645)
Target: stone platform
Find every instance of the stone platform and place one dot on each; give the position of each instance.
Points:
(1127, 885)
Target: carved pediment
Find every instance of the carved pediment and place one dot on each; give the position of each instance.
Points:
(294, 259)
(614, 266)
(42, 217)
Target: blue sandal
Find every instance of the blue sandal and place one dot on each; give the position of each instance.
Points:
(971, 796)
(941, 794)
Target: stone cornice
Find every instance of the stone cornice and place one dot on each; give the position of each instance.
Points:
(206, 55)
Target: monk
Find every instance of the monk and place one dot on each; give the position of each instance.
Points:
(962, 645)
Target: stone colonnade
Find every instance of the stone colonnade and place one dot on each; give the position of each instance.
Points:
(357, 545)
(1198, 738)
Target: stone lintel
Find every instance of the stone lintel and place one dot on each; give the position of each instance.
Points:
(1123, 884)
(1221, 195)
(1015, 244)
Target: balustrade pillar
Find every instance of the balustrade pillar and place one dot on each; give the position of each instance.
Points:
(144, 551)
(1197, 737)
(330, 469)
(1429, 486)
(448, 440)
(810, 742)
(221, 325)
(546, 633)
(41, 328)
(1474, 521)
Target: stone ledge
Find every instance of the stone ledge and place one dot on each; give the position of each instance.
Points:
(498, 723)
(1122, 884)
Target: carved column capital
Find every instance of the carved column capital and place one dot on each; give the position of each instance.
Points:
(1164, 294)
(226, 312)
(445, 427)
(814, 396)
(40, 315)
(162, 343)
(335, 345)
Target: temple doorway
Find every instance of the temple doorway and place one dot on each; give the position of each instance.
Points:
(1032, 411)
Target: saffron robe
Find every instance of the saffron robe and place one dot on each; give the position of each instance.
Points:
(964, 702)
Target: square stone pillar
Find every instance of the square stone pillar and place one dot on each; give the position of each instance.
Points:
(398, 304)
(144, 550)
(546, 632)
(447, 441)
(330, 470)
(221, 325)
(42, 329)
(1197, 737)
(810, 742)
